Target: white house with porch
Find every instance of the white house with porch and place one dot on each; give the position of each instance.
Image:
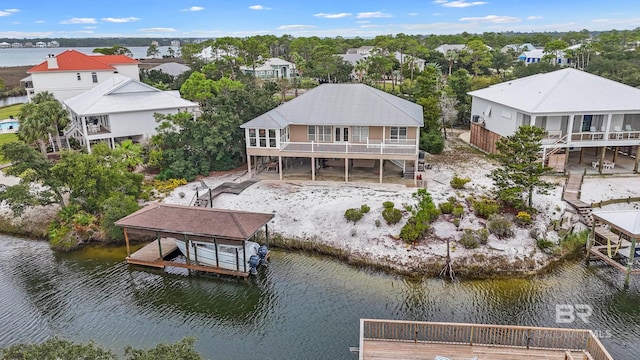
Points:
(118, 109)
(273, 68)
(578, 110)
(339, 125)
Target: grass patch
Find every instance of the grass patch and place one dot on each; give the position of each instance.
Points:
(10, 110)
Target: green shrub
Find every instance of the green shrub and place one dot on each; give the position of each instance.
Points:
(485, 207)
(457, 211)
(388, 205)
(469, 240)
(500, 226)
(392, 215)
(446, 207)
(544, 244)
(413, 230)
(365, 208)
(117, 206)
(456, 222)
(482, 235)
(432, 142)
(452, 199)
(523, 218)
(458, 182)
(353, 215)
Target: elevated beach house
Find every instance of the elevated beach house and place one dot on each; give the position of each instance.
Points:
(577, 110)
(341, 125)
(71, 73)
(118, 109)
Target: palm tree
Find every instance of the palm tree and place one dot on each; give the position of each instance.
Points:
(58, 118)
(34, 127)
(451, 56)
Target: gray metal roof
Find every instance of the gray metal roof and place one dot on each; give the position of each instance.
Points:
(563, 91)
(171, 68)
(342, 105)
(122, 94)
(627, 220)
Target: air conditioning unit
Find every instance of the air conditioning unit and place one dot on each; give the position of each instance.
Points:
(475, 118)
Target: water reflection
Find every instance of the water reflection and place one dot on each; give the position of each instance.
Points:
(301, 307)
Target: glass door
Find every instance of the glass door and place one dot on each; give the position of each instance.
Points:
(342, 134)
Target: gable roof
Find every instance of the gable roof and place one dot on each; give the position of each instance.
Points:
(122, 94)
(73, 60)
(342, 104)
(563, 91)
(268, 64)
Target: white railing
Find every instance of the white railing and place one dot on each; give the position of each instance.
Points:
(380, 147)
(604, 136)
(8, 131)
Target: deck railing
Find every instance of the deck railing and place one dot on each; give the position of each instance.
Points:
(351, 148)
(481, 334)
(604, 136)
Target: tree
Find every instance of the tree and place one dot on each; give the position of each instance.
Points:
(452, 57)
(42, 117)
(555, 48)
(477, 56)
(153, 51)
(521, 171)
(197, 87)
(114, 50)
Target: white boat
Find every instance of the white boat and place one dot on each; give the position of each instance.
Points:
(229, 257)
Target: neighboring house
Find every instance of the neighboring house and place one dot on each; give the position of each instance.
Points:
(171, 68)
(118, 109)
(342, 123)
(273, 68)
(578, 110)
(71, 73)
(16, 45)
(454, 47)
(518, 48)
(211, 54)
(536, 55)
(4, 45)
(355, 55)
(41, 44)
(175, 43)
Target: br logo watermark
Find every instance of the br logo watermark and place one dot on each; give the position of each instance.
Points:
(568, 313)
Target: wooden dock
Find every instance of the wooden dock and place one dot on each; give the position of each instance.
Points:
(414, 340)
(571, 194)
(150, 256)
(600, 249)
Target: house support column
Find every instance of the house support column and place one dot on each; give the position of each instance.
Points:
(581, 155)
(635, 167)
(608, 128)
(566, 158)
(381, 169)
(415, 172)
(615, 154)
(632, 253)
(603, 152)
(280, 166)
(249, 165)
(346, 169)
(313, 169)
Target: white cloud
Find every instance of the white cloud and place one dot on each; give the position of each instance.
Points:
(39, 21)
(193, 8)
(363, 22)
(371, 26)
(79, 21)
(90, 27)
(373, 14)
(533, 17)
(459, 3)
(614, 22)
(158, 29)
(24, 34)
(7, 12)
(333, 16)
(120, 20)
(492, 19)
(413, 14)
(258, 7)
(16, 22)
(295, 27)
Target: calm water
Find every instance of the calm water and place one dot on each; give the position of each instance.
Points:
(34, 56)
(301, 307)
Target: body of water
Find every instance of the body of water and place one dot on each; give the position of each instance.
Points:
(34, 56)
(300, 307)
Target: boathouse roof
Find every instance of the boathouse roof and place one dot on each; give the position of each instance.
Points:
(627, 221)
(196, 221)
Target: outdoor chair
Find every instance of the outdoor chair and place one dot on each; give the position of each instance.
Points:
(618, 131)
(627, 128)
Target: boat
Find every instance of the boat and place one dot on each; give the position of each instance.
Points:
(227, 256)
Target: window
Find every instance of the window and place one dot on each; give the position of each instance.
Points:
(284, 135)
(272, 138)
(94, 77)
(252, 137)
(324, 133)
(263, 137)
(311, 133)
(78, 76)
(359, 134)
(398, 133)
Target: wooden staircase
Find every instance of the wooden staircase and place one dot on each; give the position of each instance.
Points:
(571, 194)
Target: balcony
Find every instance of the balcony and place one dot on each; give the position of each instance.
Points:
(371, 147)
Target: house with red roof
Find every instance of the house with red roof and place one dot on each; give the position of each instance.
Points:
(71, 73)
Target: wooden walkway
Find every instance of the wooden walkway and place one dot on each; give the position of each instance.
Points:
(393, 350)
(571, 194)
(601, 249)
(205, 199)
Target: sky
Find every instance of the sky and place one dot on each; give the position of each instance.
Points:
(325, 18)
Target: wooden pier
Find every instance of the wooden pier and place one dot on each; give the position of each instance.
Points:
(413, 340)
(154, 253)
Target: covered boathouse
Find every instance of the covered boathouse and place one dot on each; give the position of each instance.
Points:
(190, 223)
